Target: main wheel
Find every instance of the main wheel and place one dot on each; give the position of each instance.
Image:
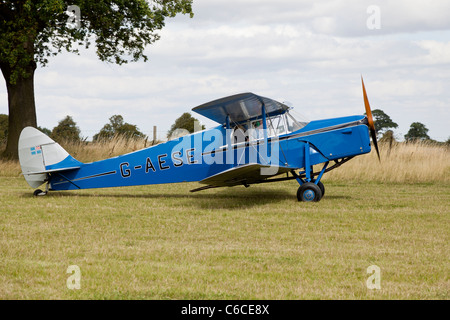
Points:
(309, 192)
(322, 188)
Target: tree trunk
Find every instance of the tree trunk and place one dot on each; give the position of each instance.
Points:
(21, 105)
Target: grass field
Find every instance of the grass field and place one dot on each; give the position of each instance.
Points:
(162, 242)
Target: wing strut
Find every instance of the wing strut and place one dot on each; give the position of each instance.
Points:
(204, 188)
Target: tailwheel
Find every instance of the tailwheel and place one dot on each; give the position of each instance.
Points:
(39, 193)
(309, 192)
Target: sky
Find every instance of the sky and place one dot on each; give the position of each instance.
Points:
(309, 53)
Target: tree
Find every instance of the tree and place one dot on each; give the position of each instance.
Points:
(66, 130)
(382, 121)
(117, 126)
(417, 131)
(31, 31)
(48, 132)
(185, 121)
(4, 128)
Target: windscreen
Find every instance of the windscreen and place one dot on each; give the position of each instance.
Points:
(284, 123)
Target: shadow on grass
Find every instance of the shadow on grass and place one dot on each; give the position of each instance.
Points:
(338, 197)
(217, 198)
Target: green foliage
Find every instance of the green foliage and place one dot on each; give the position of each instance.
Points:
(117, 127)
(417, 131)
(185, 121)
(3, 127)
(48, 132)
(66, 130)
(31, 31)
(382, 121)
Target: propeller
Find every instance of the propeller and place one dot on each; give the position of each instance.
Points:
(371, 123)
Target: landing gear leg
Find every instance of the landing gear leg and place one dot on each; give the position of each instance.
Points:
(310, 190)
(40, 193)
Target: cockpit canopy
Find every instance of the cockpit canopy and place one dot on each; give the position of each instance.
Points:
(240, 108)
(244, 111)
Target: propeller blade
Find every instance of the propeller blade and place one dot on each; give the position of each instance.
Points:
(371, 123)
(375, 143)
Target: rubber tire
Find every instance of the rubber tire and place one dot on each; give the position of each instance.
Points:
(322, 188)
(39, 192)
(309, 192)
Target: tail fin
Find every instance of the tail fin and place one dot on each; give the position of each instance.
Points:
(40, 155)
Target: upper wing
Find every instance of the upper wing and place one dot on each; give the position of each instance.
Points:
(240, 107)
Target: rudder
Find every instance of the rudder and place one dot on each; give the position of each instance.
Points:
(40, 155)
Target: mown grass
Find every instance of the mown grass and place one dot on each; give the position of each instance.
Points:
(162, 242)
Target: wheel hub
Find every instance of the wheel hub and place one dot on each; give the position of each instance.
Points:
(309, 195)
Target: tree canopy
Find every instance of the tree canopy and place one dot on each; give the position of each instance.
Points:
(185, 121)
(382, 121)
(417, 131)
(46, 131)
(34, 30)
(66, 130)
(117, 127)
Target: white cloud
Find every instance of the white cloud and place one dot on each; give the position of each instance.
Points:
(338, 17)
(437, 52)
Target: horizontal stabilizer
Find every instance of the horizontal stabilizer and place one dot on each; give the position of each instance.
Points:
(53, 170)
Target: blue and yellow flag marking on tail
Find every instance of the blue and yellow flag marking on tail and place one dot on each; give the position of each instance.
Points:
(35, 150)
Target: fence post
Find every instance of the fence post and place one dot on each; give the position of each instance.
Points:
(154, 135)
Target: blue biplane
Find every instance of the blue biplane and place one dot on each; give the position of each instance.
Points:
(257, 141)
